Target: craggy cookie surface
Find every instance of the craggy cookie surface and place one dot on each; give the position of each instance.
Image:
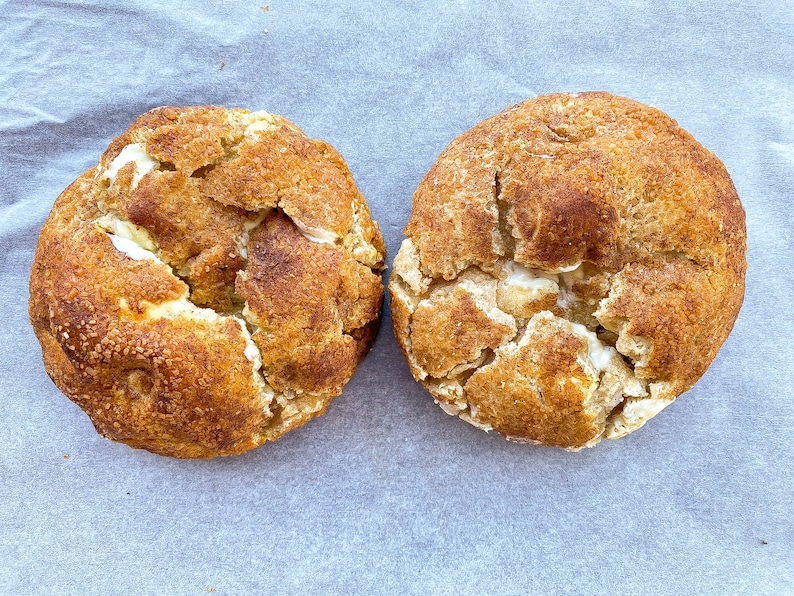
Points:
(571, 265)
(210, 285)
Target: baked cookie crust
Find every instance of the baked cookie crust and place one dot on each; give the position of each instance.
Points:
(571, 265)
(210, 285)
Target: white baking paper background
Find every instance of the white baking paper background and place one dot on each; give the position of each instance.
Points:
(386, 494)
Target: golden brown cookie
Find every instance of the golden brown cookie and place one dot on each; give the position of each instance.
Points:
(571, 266)
(210, 285)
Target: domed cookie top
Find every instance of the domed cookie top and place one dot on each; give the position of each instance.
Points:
(571, 265)
(210, 285)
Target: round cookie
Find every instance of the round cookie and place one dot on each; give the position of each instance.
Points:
(210, 285)
(571, 266)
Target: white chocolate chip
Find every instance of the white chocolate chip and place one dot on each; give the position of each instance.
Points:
(135, 153)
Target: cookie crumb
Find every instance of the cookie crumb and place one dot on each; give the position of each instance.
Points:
(222, 66)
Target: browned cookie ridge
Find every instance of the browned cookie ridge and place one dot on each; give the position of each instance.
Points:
(210, 285)
(571, 266)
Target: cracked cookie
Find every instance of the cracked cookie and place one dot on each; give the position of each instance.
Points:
(210, 285)
(571, 266)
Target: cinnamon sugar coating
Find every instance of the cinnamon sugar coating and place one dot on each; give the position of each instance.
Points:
(210, 285)
(600, 239)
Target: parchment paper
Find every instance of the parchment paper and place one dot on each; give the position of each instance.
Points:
(386, 494)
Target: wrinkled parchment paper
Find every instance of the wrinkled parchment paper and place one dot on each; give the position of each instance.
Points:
(386, 493)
